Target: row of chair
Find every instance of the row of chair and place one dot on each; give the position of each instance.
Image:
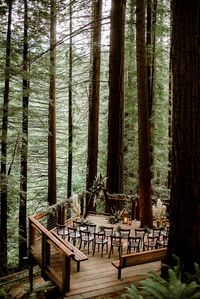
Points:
(86, 235)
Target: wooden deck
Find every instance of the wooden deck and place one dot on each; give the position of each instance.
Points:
(98, 277)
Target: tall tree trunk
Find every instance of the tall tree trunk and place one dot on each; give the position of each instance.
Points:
(115, 150)
(150, 44)
(170, 122)
(52, 109)
(3, 186)
(24, 148)
(93, 121)
(149, 52)
(70, 116)
(130, 121)
(184, 237)
(143, 119)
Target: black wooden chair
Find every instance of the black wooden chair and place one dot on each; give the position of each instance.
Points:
(116, 241)
(62, 230)
(86, 237)
(140, 232)
(91, 228)
(163, 242)
(100, 240)
(151, 242)
(108, 231)
(134, 243)
(76, 224)
(73, 235)
(156, 232)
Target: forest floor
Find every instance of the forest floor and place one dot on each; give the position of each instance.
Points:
(20, 289)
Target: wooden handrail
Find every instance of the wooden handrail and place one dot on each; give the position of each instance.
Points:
(50, 236)
(48, 239)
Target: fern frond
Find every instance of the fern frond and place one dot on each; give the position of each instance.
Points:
(191, 291)
(196, 295)
(131, 293)
(155, 289)
(157, 278)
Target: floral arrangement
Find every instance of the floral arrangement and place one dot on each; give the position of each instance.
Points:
(75, 205)
(159, 211)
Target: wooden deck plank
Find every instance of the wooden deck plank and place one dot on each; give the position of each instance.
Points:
(97, 276)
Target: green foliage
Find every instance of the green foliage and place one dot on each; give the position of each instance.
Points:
(132, 292)
(115, 217)
(156, 287)
(3, 293)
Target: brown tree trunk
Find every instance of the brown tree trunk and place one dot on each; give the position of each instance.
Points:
(70, 116)
(115, 151)
(24, 149)
(52, 109)
(184, 238)
(150, 45)
(143, 119)
(170, 122)
(3, 186)
(93, 122)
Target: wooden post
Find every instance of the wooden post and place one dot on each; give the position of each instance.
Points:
(45, 255)
(66, 275)
(30, 268)
(61, 214)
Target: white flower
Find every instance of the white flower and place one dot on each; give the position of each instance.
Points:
(75, 205)
(159, 210)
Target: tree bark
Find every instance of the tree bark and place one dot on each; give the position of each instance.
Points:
(70, 115)
(52, 109)
(3, 186)
(184, 237)
(24, 149)
(143, 119)
(93, 122)
(115, 149)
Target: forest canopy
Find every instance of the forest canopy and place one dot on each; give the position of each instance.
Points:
(58, 60)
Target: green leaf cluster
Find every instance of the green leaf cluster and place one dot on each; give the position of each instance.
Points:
(156, 287)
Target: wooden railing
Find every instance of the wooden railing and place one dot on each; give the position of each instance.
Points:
(49, 253)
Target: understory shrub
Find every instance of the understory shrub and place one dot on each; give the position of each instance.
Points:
(156, 287)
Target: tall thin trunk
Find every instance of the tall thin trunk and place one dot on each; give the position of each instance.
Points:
(3, 186)
(70, 116)
(24, 148)
(143, 119)
(151, 44)
(52, 109)
(93, 121)
(115, 150)
(149, 51)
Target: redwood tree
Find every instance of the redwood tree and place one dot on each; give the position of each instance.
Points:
(184, 238)
(143, 119)
(115, 150)
(52, 109)
(70, 114)
(93, 122)
(24, 148)
(4, 138)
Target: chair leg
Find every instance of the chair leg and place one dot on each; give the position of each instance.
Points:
(80, 244)
(94, 246)
(111, 249)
